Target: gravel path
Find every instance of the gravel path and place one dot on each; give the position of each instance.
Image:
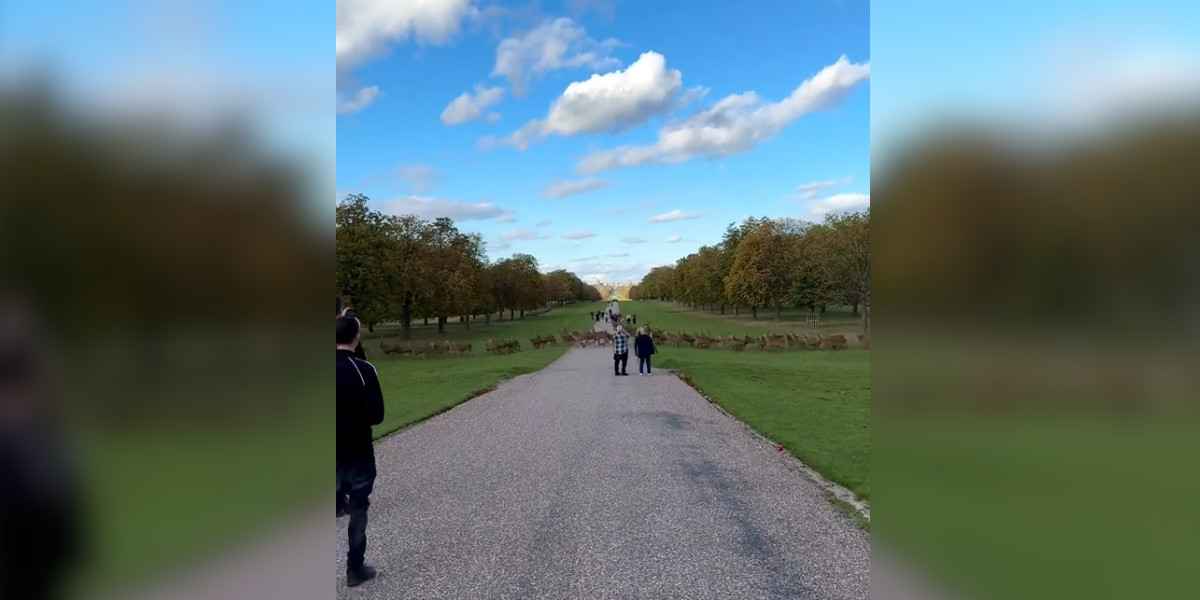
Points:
(573, 483)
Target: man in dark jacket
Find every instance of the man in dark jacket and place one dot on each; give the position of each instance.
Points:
(359, 406)
(643, 347)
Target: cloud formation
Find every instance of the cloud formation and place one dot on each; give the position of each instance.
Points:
(365, 28)
(607, 103)
(675, 239)
(579, 235)
(468, 107)
(432, 208)
(840, 203)
(543, 223)
(675, 215)
(562, 189)
(360, 100)
(523, 235)
(556, 44)
(633, 240)
(734, 124)
(810, 190)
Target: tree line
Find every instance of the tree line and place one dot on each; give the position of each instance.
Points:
(402, 267)
(773, 264)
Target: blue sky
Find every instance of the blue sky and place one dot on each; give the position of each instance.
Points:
(719, 82)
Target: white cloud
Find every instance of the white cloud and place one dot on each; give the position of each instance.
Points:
(810, 190)
(736, 123)
(633, 240)
(579, 235)
(557, 44)
(420, 178)
(365, 28)
(618, 255)
(524, 235)
(675, 239)
(360, 100)
(607, 103)
(611, 272)
(508, 218)
(432, 208)
(562, 189)
(840, 203)
(468, 106)
(675, 215)
(543, 223)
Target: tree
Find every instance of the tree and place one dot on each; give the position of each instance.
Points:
(847, 259)
(761, 273)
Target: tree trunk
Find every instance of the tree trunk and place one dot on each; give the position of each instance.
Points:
(522, 313)
(487, 318)
(512, 314)
(466, 319)
(441, 321)
(722, 309)
(406, 317)
(854, 309)
(427, 320)
(735, 310)
(778, 312)
(754, 310)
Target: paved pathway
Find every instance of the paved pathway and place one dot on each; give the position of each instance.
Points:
(572, 483)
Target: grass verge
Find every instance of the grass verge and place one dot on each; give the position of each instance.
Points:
(817, 405)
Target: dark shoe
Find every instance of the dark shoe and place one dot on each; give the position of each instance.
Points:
(359, 576)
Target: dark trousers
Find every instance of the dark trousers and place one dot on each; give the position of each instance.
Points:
(644, 361)
(356, 480)
(619, 362)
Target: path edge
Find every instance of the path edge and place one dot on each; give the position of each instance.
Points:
(840, 496)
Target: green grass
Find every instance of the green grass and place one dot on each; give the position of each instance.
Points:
(416, 389)
(677, 317)
(156, 500)
(572, 317)
(817, 405)
(1023, 507)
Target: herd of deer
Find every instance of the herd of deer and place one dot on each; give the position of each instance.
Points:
(419, 349)
(785, 341)
(584, 339)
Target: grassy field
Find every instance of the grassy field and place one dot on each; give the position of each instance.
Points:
(415, 389)
(676, 317)
(572, 316)
(817, 405)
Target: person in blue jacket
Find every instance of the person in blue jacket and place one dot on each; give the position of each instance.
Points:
(643, 347)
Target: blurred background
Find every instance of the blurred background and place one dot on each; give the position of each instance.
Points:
(1037, 278)
(165, 236)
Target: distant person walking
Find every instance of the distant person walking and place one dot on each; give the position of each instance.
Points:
(643, 347)
(620, 351)
(359, 406)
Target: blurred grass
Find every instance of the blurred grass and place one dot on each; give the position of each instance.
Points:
(163, 499)
(1042, 508)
